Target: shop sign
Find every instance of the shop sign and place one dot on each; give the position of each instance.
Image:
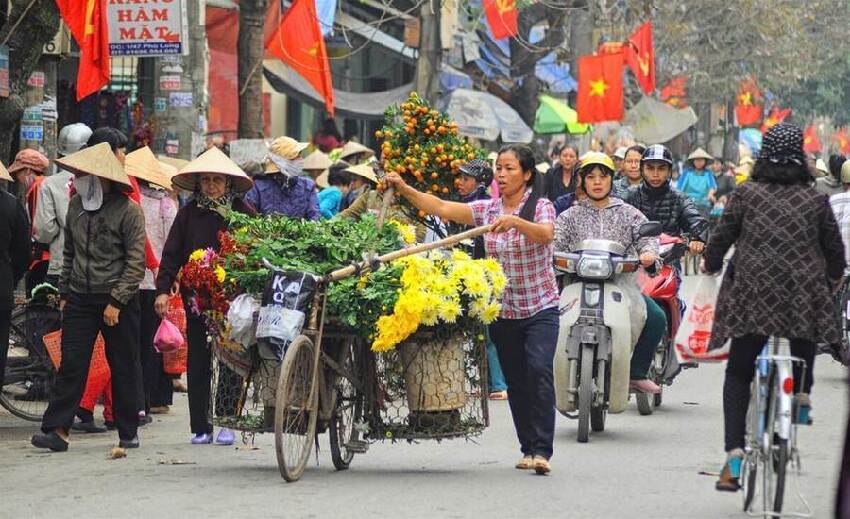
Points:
(170, 82)
(180, 99)
(147, 28)
(4, 71)
(160, 104)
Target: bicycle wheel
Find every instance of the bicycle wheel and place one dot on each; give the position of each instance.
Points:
(346, 414)
(749, 466)
(29, 373)
(585, 393)
(774, 452)
(296, 408)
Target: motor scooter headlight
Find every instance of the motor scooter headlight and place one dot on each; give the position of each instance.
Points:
(594, 268)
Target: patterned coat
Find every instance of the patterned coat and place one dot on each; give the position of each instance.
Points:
(788, 257)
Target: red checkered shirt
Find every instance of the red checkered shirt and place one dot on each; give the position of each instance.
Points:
(528, 266)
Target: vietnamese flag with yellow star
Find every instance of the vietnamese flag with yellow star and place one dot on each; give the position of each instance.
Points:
(774, 117)
(640, 56)
(600, 88)
(298, 42)
(811, 143)
(841, 139)
(87, 22)
(748, 107)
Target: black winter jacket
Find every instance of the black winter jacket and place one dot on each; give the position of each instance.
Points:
(676, 212)
(14, 247)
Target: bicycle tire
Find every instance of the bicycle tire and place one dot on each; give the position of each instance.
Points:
(749, 465)
(296, 408)
(774, 455)
(28, 409)
(347, 412)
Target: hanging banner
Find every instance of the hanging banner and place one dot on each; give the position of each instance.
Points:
(147, 28)
(4, 71)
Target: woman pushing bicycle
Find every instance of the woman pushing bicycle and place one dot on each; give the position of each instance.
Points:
(788, 259)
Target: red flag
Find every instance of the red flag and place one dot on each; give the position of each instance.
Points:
(748, 109)
(842, 141)
(811, 143)
(640, 56)
(776, 116)
(675, 92)
(600, 88)
(502, 17)
(87, 22)
(298, 42)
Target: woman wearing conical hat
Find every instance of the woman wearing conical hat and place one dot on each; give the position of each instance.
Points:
(216, 181)
(282, 190)
(103, 264)
(697, 181)
(160, 209)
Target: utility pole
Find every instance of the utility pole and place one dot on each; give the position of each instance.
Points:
(180, 99)
(430, 52)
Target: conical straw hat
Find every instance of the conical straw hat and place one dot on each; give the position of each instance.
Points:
(317, 161)
(212, 161)
(97, 160)
(143, 165)
(178, 164)
(700, 153)
(322, 180)
(355, 148)
(363, 170)
(4, 174)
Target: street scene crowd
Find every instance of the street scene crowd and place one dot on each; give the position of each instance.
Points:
(397, 281)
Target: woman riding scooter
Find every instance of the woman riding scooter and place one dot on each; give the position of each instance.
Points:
(602, 217)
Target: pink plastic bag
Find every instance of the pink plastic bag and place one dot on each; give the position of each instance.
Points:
(168, 337)
(694, 335)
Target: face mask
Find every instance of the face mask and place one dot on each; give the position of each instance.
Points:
(90, 190)
(290, 168)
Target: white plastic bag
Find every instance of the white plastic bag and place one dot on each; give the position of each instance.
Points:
(694, 334)
(278, 322)
(241, 320)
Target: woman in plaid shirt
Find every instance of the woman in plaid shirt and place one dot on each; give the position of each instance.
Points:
(527, 329)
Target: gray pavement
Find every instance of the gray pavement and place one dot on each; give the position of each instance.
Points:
(641, 466)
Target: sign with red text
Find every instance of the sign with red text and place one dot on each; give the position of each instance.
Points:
(146, 28)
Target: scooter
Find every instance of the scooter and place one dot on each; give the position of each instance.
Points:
(664, 289)
(595, 341)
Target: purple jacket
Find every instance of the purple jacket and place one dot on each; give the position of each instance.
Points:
(294, 197)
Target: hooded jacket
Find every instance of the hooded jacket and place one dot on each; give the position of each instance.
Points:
(674, 210)
(104, 249)
(49, 220)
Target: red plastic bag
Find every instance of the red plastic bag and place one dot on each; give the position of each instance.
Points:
(694, 335)
(168, 337)
(174, 363)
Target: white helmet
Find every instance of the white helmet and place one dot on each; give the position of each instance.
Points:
(73, 137)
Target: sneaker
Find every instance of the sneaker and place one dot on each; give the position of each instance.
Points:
(731, 473)
(644, 386)
(804, 409)
(129, 444)
(225, 437)
(50, 441)
(202, 439)
(88, 427)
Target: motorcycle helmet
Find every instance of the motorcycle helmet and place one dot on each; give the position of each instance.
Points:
(588, 162)
(479, 170)
(657, 153)
(73, 138)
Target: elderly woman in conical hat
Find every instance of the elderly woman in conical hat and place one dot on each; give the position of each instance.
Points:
(282, 189)
(697, 181)
(160, 209)
(216, 181)
(104, 263)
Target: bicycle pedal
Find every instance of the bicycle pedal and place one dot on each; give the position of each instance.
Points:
(357, 446)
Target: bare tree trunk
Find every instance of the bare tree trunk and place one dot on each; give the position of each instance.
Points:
(37, 26)
(430, 52)
(252, 17)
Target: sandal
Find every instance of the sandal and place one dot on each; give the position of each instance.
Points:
(499, 395)
(729, 476)
(541, 465)
(526, 463)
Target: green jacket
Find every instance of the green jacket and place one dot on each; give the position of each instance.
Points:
(105, 249)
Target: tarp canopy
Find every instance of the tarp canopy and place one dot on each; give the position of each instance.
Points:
(485, 116)
(555, 116)
(653, 121)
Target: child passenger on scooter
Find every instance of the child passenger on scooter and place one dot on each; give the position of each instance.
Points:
(600, 216)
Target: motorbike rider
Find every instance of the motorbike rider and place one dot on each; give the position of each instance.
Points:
(658, 201)
(631, 171)
(602, 216)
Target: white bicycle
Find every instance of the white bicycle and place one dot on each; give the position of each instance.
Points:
(771, 438)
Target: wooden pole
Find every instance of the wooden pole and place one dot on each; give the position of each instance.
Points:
(382, 214)
(424, 247)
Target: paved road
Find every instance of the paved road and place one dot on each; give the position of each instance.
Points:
(639, 467)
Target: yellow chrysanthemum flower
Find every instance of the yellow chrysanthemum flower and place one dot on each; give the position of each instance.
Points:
(198, 255)
(220, 274)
